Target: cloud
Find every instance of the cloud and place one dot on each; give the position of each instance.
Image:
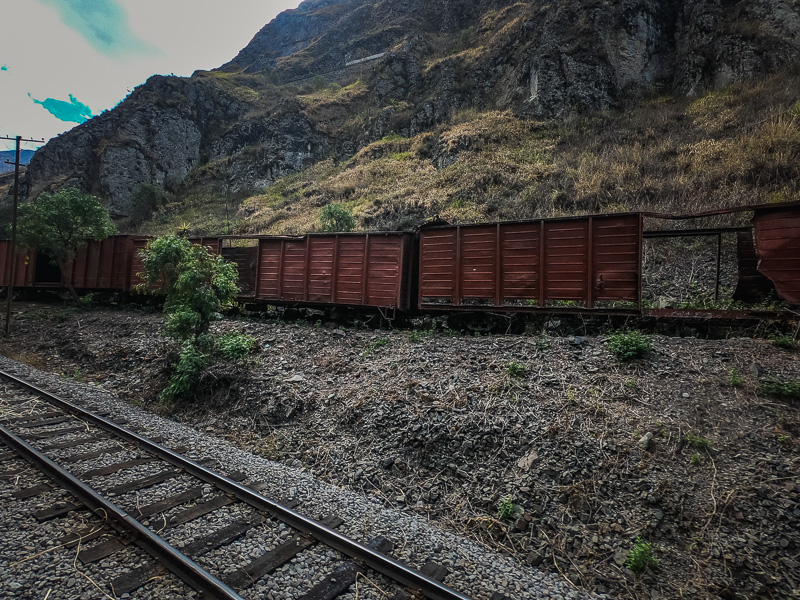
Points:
(73, 111)
(104, 24)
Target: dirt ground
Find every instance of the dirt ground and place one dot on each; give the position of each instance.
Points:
(540, 445)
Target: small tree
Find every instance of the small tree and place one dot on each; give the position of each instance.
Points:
(335, 217)
(197, 286)
(59, 224)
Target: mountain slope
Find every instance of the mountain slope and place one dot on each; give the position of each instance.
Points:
(288, 101)
(738, 146)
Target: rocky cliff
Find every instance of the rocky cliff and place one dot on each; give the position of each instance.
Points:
(279, 106)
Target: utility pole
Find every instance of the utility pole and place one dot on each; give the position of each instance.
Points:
(12, 251)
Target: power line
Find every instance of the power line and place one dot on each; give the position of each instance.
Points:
(11, 264)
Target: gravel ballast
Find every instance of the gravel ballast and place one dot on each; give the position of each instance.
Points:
(685, 448)
(474, 570)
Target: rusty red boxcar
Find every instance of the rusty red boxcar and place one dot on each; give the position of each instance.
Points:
(777, 243)
(351, 269)
(530, 264)
(23, 269)
(99, 265)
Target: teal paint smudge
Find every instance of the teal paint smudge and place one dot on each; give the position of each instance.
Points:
(73, 111)
(3, 68)
(104, 24)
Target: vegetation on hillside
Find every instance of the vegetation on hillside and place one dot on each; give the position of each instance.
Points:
(740, 145)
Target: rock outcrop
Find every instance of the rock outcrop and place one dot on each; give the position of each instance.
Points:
(257, 119)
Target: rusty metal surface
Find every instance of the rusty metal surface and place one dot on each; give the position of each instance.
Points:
(566, 260)
(5, 262)
(617, 266)
(123, 249)
(214, 244)
(100, 264)
(708, 231)
(518, 265)
(722, 211)
(347, 269)
(246, 259)
(752, 285)
(24, 268)
(777, 242)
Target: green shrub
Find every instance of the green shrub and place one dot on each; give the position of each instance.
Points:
(417, 335)
(785, 341)
(734, 378)
(335, 217)
(781, 388)
(695, 440)
(233, 345)
(190, 366)
(515, 369)
(506, 508)
(641, 556)
(197, 286)
(542, 343)
(629, 345)
(380, 343)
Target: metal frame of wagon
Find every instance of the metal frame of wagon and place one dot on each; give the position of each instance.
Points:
(339, 279)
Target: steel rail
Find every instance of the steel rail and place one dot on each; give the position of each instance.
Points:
(372, 558)
(174, 560)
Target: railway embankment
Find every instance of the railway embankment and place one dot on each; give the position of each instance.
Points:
(542, 446)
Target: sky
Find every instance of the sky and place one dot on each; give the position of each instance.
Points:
(63, 61)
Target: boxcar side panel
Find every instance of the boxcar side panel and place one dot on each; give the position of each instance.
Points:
(566, 246)
(321, 264)
(5, 262)
(519, 263)
(245, 259)
(349, 269)
(121, 262)
(407, 259)
(532, 263)
(105, 265)
(93, 251)
(354, 270)
(478, 265)
(777, 241)
(616, 254)
(212, 243)
(385, 271)
(269, 270)
(293, 266)
(76, 272)
(437, 266)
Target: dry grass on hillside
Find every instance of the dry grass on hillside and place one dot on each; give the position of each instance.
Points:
(737, 146)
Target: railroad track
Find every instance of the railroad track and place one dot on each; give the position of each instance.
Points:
(121, 489)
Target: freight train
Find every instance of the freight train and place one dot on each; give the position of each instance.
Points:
(589, 264)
